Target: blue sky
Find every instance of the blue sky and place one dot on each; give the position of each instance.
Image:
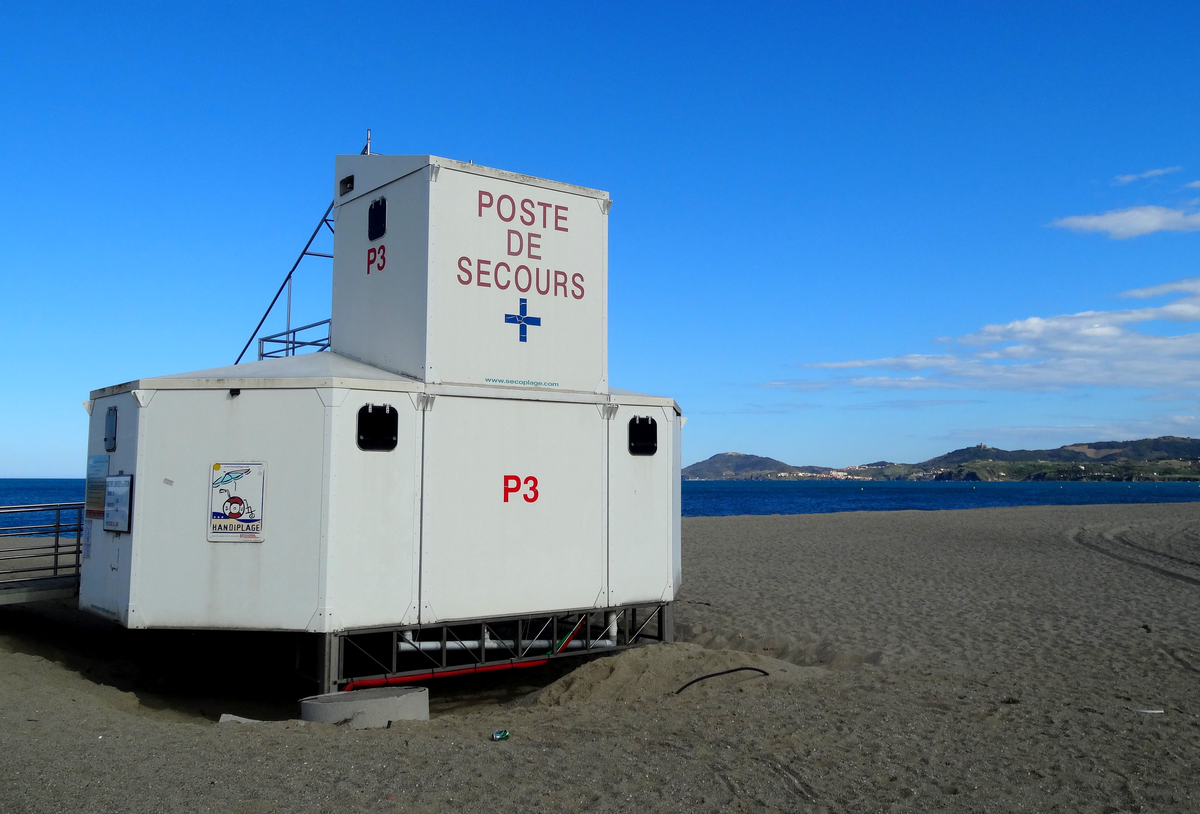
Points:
(841, 232)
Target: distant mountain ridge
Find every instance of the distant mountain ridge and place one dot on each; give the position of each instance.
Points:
(1168, 457)
(739, 466)
(1147, 449)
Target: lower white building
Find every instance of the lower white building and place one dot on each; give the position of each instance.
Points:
(321, 494)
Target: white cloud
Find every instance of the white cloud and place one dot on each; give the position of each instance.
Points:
(761, 409)
(1091, 348)
(1129, 179)
(1189, 286)
(809, 385)
(1169, 397)
(1136, 220)
(1193, 185)
(912, 404)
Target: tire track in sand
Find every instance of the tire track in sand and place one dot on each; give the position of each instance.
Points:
(1076, 536)
(1118, 535)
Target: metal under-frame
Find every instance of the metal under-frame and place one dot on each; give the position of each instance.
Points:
(377, 657)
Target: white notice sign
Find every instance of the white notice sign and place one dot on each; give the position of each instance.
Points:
(93, 495)
(235, 502)
(118, 492)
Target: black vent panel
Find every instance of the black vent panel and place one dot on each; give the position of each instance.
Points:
(110, 429)
(377, 219)
(643, 435)
(378, 427)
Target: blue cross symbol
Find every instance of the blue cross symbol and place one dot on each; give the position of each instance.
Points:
(521, 319)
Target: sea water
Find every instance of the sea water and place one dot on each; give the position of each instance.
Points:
(33, 491)
(722, 498)
(719, 498)
(29, 491)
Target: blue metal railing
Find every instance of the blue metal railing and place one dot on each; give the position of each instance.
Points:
(286, 343)
(40, 541)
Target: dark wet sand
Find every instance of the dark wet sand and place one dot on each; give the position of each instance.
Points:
(982, 660)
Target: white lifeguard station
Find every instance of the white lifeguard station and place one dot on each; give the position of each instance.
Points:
(450, 485)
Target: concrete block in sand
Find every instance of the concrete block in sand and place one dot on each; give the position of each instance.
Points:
(367, 709)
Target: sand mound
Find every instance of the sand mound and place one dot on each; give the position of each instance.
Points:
(30, 676)
(805, 653)
(654, 673)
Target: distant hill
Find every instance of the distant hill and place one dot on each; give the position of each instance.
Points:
(1167, 458)
(737, 466)
(1148, 449)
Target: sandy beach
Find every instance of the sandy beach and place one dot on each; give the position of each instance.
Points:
(1036, 659)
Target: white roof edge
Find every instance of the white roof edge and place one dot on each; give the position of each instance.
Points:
(327, 369)
(408, 164)
(312, 382)
(304, 370)
(299, 383)
(519, 178)
(479, 391)
(643, 399)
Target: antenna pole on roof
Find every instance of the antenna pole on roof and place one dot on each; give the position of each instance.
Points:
(367, 150)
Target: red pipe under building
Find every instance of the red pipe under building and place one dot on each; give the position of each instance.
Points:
(367, 683)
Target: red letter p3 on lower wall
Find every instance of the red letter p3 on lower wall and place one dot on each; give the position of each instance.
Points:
(376, 257)
(513, 485)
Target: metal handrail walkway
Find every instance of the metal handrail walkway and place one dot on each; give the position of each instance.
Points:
(286, 339)
(286, 343)
(40, 549)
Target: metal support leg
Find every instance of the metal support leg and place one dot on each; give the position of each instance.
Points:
(78, 542)
(666, 622)
(330, 667)
(339, 658)
(57, 530)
